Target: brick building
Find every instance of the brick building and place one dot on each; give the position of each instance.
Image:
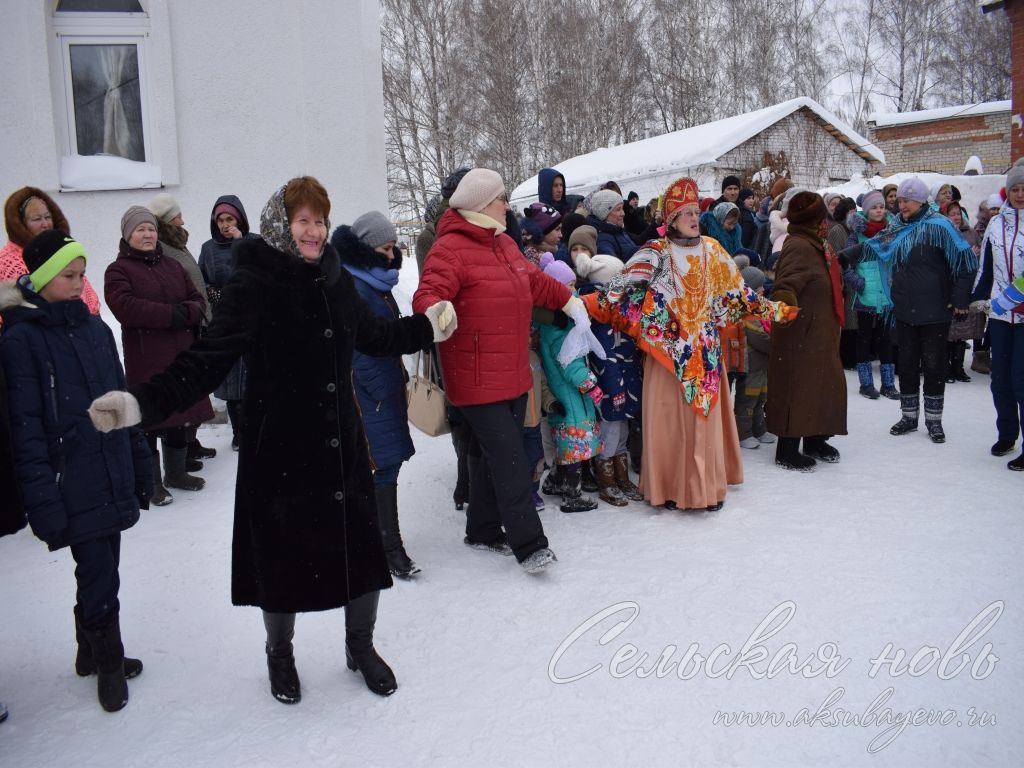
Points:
(942, 140)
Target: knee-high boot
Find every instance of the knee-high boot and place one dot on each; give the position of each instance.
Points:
(108, 655)
(399, 562)
(360, 619)
(284, 678)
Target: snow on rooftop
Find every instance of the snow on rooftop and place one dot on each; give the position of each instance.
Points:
(684, 150)
(883, 119)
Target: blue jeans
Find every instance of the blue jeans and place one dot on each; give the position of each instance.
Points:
(1008, 377)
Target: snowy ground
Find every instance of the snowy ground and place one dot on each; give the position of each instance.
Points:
(902, 543)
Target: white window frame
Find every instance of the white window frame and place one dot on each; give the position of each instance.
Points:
(104, 28)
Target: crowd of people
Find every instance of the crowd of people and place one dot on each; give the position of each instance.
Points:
(582, 342)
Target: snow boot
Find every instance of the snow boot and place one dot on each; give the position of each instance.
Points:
(1002, 447)
(1017, 465)
(552, 485)
(175, 474)
(910, 405)
(957, 351)
(197, 450)
(788, 456)
(751, 443)
(933, 417)
(161, 497)
(284, 678)
(108, 656)
(628, 488)
(888, 371)
(981, 361)
(817, 447)
(538, 561)
(867, 381)
(608, 490)
(573, 499)
(399, 562)
(587, 479)
(85, 666)
(360, 619)
(498, 546)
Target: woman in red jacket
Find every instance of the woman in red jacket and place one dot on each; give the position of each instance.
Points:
(486, 362)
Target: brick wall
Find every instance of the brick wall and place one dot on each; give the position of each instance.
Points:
(1015, 10)
(944, 146)
(816, 157)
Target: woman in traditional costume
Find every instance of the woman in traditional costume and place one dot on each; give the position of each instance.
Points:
(672, 296)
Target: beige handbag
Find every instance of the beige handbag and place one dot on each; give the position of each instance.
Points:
(428, 410)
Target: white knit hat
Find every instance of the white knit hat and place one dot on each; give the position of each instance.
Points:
(478, 188)
(995, 200)
(165, 207)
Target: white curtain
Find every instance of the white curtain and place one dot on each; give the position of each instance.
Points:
(117, 138)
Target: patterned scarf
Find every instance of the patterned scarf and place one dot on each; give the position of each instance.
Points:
(275, 229)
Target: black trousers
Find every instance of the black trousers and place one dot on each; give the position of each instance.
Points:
(873, 335)
(174, 437)
(501, 484)
(922, 350)
(96, 563)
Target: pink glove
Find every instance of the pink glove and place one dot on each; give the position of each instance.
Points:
(595, 394)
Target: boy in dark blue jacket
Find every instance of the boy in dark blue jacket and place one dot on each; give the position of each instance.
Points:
(80, 488)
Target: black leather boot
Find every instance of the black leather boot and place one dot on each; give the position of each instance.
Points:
(399, 563)
(85, 666)
(108, 655)
(284, 678)
(360, 619)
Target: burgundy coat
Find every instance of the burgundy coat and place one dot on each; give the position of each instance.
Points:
(494, 289)
(142, 289)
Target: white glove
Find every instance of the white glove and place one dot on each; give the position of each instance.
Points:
(442, 319)
(115, 410)
(981, 305)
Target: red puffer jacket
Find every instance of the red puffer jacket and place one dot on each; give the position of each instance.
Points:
(494, 289)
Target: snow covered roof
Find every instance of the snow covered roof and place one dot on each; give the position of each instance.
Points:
(692, 147)
(885, 119)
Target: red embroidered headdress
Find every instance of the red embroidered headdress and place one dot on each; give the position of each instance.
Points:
(681, 193)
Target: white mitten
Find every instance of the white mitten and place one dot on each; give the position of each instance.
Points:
(114, 410)
(981, 305)
(442, 319)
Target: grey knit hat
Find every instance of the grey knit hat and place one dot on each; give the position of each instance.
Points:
(603, 201)
(753, 277)
(913, 189)
(165, 207)
(1015, 175)
(133, 218)
(790, 194)
(374, 228)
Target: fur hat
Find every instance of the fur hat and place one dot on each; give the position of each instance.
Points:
(14, 214)
(780, 186)
(871, 199)
(913, 189)
(477, 189)
(753, 277)
(134, 218)
(585, 236)
(602, 203)
(544, 216)
(598, 269)
(887, 189)
(374, 229)
(806, 209)
(47, 254)
(561, 271)
(165, 207)
(730, 181)
(1015, 175)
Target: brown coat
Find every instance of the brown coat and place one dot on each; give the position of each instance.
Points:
(806, 384)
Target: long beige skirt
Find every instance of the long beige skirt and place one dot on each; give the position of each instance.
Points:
(687, 458)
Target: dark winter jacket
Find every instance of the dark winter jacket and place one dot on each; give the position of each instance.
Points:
(217, 265)
(805, 375)
(748, 227)
(306, 535)
(612, 240)
(174, 242)
(545, 178)
(12, 511)
(159, 309)
(494, 289)
(76, 484)
(379, 381)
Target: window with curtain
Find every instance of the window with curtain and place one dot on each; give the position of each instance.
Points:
(107, 100)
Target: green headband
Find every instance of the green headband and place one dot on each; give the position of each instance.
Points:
(54, 265)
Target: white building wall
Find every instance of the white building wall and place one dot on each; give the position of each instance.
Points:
(256, 92)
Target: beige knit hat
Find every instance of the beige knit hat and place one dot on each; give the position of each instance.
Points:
(165, 207)
(478, 188)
